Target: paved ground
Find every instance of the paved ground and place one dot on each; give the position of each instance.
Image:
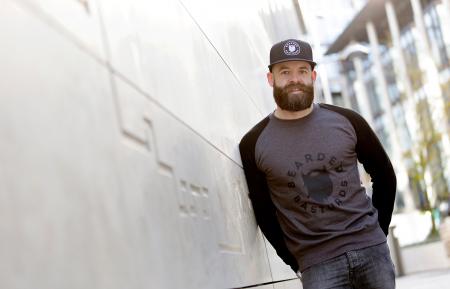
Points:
(437, 279)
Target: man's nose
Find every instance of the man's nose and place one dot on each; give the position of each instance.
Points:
(295, 78)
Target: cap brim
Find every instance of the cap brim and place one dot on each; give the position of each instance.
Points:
(292, 59)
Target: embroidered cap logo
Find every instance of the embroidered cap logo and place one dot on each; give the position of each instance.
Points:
(291, 48)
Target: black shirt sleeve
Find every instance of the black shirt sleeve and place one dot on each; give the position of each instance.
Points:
(376, 162)
(259, 194)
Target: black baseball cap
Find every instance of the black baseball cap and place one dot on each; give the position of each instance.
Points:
(289, 50)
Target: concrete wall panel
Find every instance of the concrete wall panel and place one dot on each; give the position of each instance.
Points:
(57, 159)
(119, 125)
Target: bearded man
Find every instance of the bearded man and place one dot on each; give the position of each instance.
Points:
(301, 167)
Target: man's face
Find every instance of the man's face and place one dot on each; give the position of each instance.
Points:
(293, 85)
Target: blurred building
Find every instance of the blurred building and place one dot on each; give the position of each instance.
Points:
(394, 68)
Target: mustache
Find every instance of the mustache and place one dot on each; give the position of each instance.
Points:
(299, 86)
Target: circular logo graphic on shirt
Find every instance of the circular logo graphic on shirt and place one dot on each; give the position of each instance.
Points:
(312, 186)
(318, 184)
(291, 48)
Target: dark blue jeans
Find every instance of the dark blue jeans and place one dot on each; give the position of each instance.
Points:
(368, 268)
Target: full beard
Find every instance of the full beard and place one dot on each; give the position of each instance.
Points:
(290, 100)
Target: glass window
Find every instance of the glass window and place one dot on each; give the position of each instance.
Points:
(380, 130)
(410, 52)
(402, 128)
(434, 33)
(389, 74)
(374, 98)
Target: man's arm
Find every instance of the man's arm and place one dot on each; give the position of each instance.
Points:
(263, 207)
(376, 162)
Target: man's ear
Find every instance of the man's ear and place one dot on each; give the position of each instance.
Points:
(270, 78)
(314, 75)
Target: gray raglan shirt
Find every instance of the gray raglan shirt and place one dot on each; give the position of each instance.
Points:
(311, 175)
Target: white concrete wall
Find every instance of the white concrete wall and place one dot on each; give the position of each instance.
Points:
(119, 125)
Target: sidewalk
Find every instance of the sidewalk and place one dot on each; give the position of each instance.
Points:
(435, 279)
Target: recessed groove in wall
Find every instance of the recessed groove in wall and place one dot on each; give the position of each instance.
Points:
(135, 143)
(165, 169)
(206, 204)
(195, 190)
(182, 195)
(227, 248)
(85, 4)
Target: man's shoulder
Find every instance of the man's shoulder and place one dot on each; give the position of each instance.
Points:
(354, 117)
(349, 113)
(252, 135)
(339, 109)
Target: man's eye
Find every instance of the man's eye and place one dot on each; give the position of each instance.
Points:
(285, 72)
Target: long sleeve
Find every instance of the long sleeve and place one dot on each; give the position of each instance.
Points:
(263, 207)
(376, 162)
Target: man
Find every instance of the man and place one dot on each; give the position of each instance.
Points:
(300, 163)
